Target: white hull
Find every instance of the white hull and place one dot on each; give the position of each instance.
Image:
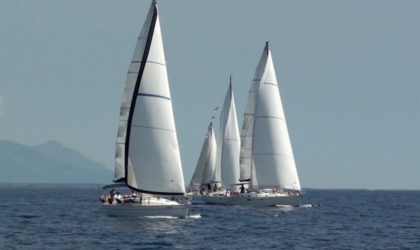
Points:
(253, 199)
(147, 206)
(141, 210)
(198, 199)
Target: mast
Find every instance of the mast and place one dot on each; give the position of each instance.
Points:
(151, 158)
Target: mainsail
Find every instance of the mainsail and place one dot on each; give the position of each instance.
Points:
(205, 169)
(147, 154)
(266, 157)
(272, 153)
(229, 142)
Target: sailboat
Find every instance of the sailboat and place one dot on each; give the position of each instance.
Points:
(147, 157)
(204, 174)
(229, 143)
(218, 166)
(206, 165)
(267, 165)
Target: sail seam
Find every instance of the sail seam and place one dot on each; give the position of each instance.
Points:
(270, 83)
(141, 126)
(227, 139)
(267, 117)
(154, 95)
(149, 62)
(289, 156)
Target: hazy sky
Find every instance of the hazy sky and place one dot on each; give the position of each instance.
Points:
(348, 73)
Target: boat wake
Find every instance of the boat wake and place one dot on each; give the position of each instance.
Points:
(194, 216)
(285, 208)
(161, 217)
(306, 206)
(288, 208)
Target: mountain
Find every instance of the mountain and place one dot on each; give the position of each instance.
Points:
(48, 163)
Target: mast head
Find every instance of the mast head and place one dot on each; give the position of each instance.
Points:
(154, 4)
(267, 46)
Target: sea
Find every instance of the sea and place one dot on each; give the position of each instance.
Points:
(34, 216)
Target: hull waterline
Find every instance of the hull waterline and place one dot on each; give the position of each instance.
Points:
(254, 200)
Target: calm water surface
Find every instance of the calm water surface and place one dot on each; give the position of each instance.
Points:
(68, 217)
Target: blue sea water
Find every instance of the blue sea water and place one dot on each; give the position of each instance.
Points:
(68, 217)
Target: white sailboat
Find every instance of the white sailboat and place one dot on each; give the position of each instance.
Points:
(223, 167)
(147, 154)
(266, 159)
(205, 170)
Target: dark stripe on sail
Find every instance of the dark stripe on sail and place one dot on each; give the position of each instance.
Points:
(153, 95)
(136, 90)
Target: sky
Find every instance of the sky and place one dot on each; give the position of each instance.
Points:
(348, 73)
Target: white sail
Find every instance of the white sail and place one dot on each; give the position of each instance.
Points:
(229, 142)
(272, 153)
(151, 154)
(205, 169)
(133, 71)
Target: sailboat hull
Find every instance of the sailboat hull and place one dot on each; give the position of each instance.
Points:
(253, 199)
(146, 206)
(197, 199)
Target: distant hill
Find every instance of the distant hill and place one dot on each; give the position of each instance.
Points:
(48, 163)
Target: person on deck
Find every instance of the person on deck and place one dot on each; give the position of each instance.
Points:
(118, 198)
(242, 188)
